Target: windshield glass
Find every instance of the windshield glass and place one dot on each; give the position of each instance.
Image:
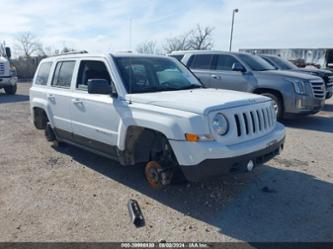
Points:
(152, 74)
(282, 64)
(255, 62)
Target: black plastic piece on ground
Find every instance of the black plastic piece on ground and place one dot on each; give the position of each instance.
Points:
(135, 213)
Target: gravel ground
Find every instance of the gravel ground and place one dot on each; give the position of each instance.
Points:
(67, 194)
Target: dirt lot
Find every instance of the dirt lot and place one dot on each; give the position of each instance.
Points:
(69, 194)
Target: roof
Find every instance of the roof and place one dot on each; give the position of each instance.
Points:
(204, 52)
(105, 55)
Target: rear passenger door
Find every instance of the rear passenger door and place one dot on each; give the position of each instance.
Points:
(95, 117)
(224, 77)
(201, 65)
(59, 98)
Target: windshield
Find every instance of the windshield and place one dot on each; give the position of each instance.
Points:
(282, 64)
(152, 74)
(255, 62)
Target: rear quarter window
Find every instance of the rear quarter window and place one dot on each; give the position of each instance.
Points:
(201, 61)
(43, 73)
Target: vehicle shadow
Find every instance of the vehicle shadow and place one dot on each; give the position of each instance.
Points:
(294, 206)
(5, 99)
(323, 123)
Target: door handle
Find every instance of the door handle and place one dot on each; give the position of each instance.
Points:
(214, 76)
(77, 101)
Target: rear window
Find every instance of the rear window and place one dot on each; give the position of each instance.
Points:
(43, 73)
(63, 74)
(201, 61)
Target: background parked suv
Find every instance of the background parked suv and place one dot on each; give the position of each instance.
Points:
(283, 64)
(292, 92)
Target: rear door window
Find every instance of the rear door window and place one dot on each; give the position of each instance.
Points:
(43, 73)
(63, 74)
(201, 61)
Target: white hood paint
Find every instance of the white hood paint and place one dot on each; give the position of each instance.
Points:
(200, 101)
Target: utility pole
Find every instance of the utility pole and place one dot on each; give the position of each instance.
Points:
(130, 35)
(232, 27)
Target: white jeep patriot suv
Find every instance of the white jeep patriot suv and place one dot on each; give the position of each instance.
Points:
(150, 109)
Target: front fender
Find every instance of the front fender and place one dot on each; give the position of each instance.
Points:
(171, 123)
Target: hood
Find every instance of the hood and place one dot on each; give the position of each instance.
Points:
(289, 74)
(315, 71)
(200, 101)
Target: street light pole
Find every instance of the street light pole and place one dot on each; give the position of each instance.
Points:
(232, 26)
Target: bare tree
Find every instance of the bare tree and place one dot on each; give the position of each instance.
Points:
(147, 47)
(177, 43)
(28, 45)
(201, 38)
(198, 38)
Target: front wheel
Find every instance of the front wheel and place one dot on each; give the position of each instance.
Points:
(329, 95)
(277, 104)
(10, 90)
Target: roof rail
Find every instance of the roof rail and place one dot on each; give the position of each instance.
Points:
(71, 52)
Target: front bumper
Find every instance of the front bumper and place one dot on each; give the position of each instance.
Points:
(216, 167)
(8, 81)
(305, 105)
(196, 155)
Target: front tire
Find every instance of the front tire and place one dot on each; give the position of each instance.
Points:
(329, 95)
(277, 104)
(10, 90)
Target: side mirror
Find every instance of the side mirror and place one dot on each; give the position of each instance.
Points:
(8, 52)
(238, 67)
(100, 86)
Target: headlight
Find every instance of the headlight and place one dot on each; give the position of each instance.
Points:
(299, 86)
(220, 124)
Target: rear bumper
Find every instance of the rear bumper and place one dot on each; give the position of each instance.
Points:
(215, 167)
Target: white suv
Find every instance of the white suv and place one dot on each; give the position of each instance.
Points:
(151, 109)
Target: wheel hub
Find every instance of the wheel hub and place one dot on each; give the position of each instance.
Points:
(156, 175)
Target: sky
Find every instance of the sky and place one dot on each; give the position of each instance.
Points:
(103, 25)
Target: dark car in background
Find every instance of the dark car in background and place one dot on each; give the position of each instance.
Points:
(283, 64)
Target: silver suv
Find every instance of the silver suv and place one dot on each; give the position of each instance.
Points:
(292, 93)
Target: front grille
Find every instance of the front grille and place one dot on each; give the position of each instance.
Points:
(255, 121)
(318, 89)
(2, 68)
(330, 81)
